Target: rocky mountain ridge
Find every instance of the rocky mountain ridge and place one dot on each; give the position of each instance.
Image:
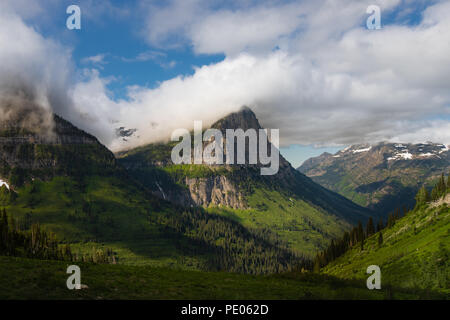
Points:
(26, 154)
(382, 176)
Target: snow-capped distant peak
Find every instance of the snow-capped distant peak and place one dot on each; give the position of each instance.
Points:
(397, 151)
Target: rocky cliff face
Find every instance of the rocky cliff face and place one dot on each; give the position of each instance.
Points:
(384, 176)
(216, 191)
(26, 153)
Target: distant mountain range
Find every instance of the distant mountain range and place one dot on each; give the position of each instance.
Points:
(383, 176)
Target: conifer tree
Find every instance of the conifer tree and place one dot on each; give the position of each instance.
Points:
(405, 210)
(316, 267)
(448, 182)
(380, 239)
(397, 214)
(360, 231)
(390, 222)
(370, 229)
(435, 194)
(3, 231)
(422, 196)
(380, 225)
(332, 254)
(442, 185)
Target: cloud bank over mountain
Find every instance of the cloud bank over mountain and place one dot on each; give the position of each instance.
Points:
(33, 74)
(309, 68)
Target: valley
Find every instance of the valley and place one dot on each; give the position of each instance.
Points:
(157, 218)
(301, 212)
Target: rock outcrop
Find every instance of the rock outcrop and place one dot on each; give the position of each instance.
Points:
(216, 191)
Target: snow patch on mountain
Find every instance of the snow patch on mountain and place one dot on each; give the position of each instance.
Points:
(428, 154)
(362, 150)
(444, 148)
(397, 151)
(346, 149)
(405, 155)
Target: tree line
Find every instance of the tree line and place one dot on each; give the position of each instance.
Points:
(439, 191)
(358, 234)
(41, 244)
(229, 246)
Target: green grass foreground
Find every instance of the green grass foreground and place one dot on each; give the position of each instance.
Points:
(22, 278)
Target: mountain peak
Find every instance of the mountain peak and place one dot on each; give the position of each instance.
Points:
(243, 119)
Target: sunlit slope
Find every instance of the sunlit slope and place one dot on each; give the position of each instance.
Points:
(144, 230)
(303, 227)
(415, 252)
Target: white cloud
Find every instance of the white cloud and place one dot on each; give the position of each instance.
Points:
(330, 81)
(98, 60)
(231, 32)
(25, 8)
(33, 73)
(437, 130)
(146, 56)
(333, 83)
(37, 75)
(254, 26)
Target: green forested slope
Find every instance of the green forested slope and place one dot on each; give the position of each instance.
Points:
(108, 213)
(414, 253)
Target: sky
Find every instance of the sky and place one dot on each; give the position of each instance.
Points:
(309, 68)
